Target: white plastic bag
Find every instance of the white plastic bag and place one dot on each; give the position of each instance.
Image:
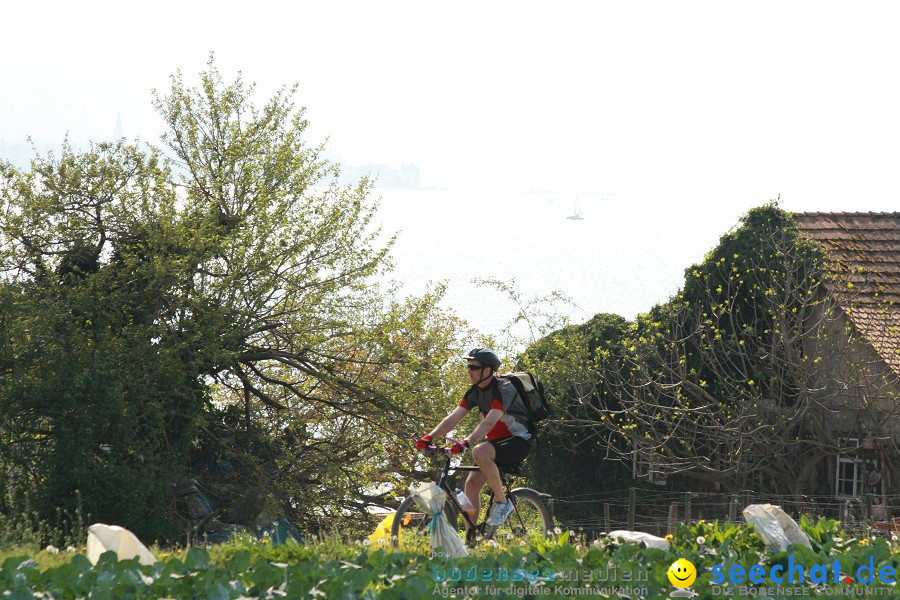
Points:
(430, 498)
(774, 526)
(636, 537)
(102, 538)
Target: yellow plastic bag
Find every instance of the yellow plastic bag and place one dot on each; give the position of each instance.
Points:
(382, 533)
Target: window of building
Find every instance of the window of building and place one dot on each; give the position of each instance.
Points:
(855, 472)
(643, 467)
(848, 479)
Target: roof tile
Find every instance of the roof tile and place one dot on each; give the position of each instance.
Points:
(867, 246)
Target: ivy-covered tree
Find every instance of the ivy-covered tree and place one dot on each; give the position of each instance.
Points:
(752, 376)
(571, 461)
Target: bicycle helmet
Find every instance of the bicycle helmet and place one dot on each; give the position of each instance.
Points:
(484, 356)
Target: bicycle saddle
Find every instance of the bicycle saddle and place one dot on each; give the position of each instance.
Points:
(512, 468)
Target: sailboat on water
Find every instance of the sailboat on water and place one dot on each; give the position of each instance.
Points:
(576, 214)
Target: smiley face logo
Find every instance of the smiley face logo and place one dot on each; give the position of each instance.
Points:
(682, 573)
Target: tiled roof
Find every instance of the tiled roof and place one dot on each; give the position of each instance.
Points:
(865, 249)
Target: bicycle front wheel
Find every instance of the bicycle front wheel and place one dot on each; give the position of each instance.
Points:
(409, 530)
(530, 517)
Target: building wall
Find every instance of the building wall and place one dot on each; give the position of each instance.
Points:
(858, 394)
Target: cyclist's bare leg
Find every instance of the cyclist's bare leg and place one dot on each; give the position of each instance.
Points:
(473, 486)
(484, 455)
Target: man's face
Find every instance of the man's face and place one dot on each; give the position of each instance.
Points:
(476, 371)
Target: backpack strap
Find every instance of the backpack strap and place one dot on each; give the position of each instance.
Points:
(495, 389)
(469, 391)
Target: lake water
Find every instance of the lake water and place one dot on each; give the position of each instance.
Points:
(625, 255)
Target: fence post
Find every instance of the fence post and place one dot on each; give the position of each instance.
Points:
(867, 514)
(673, 518)
(732, 509)
(606, 517)
(632, 506)
(687, 507)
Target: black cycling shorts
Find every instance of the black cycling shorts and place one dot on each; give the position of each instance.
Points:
(510, 449)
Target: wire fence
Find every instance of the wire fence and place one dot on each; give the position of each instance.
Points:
(659, 513)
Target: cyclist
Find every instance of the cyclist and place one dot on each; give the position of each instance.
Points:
(508, 439)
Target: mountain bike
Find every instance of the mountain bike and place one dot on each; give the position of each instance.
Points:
(530, 508)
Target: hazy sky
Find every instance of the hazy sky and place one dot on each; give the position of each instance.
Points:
(684, 114)
(697, 103)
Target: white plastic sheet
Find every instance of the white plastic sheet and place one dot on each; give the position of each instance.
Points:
(774, 526)
(102, 538)
(430, 498)
(636, 537)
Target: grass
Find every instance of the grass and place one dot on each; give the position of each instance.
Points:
(44, 558)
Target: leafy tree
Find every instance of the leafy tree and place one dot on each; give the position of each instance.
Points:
(304, 334)
(91, 400)
(212, 304)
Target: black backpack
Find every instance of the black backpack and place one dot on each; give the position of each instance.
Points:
(531, 391)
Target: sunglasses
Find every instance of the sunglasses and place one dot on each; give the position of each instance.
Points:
(476, 367)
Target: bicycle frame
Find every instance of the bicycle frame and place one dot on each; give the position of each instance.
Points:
(537, 517)
(444, 485)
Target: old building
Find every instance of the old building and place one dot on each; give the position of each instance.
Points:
(864, 263)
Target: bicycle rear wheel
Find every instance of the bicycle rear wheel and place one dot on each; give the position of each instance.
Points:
(530, 517)
(410, 528)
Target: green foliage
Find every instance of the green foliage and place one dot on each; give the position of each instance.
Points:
(758, 289)
(91, 400)
(727, 540)
(207, 310)
(725, 382)
(558, 566)
(22, 526)
(572, 459)
(733, 380)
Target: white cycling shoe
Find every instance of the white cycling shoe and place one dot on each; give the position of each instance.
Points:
(500, 513)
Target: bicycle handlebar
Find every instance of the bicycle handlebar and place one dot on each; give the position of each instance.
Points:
(432, 449)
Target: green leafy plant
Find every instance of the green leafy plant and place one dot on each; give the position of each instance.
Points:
(254, 568)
